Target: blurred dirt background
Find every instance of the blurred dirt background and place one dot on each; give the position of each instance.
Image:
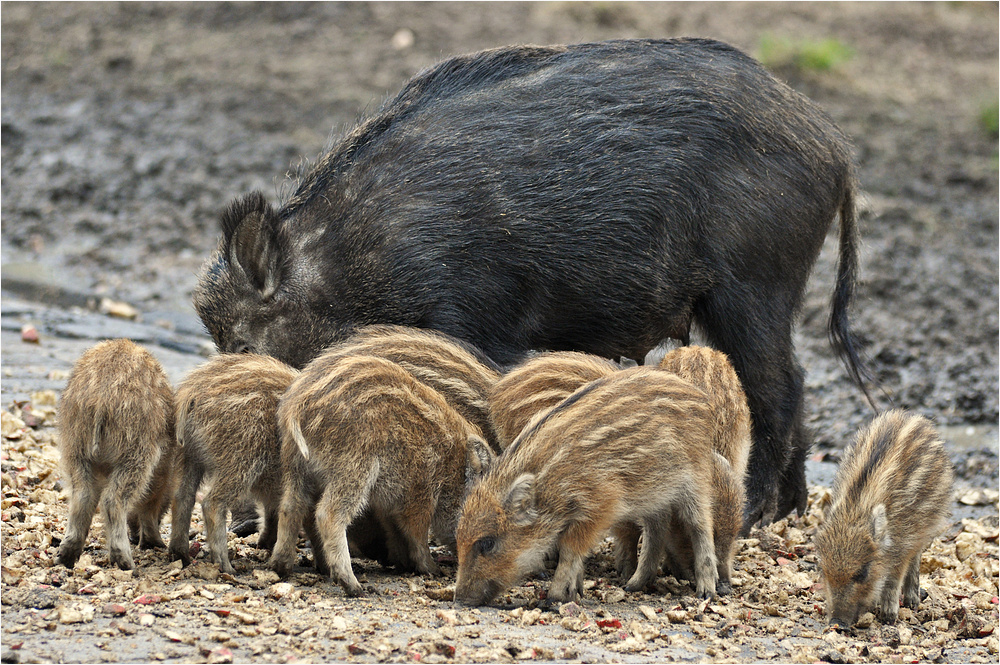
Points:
(126, 129)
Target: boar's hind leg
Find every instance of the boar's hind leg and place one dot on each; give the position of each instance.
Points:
(83, 500)
(755, 331)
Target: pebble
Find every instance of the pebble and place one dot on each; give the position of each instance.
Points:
(29, 334)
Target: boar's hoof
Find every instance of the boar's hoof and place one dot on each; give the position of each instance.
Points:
(723, 588)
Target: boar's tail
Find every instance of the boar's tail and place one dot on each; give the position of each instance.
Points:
(295, 429)
(847, 272)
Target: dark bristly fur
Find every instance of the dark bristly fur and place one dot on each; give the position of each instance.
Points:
(635, 446)
(360, 431)
(593, 197)
(228, 430)
(890, 499)
(116, 439)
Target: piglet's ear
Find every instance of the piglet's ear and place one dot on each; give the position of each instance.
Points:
(880, 528)
(478, 458)
(250, 231)
(520, 501)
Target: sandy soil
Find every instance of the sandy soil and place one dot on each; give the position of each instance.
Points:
(127, 128)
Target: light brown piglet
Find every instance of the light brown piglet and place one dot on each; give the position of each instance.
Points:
(227, 426)
(711, 371)
(635, 446)
(360, 431)
(890, 499)
(460, 372)
(538, 384)
(116, 438)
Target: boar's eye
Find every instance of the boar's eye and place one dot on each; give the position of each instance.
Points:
(486, 545)
(861, 575)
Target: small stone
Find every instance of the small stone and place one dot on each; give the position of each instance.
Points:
(967, 544)
(220, 655)
(445, 594)
(403, 39)
(29, 334)
(677, 616)
(11, 427)
(117, 309)
(613, 595)
(147, 599)
(530, 617)
(146, 620)
(68, 615)
(266, 576)
(244, 617)
(648, 612)
(865, 620)
(281, 590)
(174, 636)
(570, 609)
(113, 609)
(448, 617)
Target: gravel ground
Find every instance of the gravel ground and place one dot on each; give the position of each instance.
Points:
(127, 128)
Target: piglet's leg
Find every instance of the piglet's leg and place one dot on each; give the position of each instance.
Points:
(654, 540)
(911, 585)
(333, 518)
(85, 493)
(215, 511)
(180, 516)
(294, 505)
(567, 583)
(888, 604)
(626, 548)
(574, 545)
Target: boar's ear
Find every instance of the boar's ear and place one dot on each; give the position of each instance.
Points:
(478, 458)
(880, 528)
(520, 501)
(250, 228)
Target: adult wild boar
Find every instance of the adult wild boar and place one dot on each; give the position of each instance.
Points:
(594, 197)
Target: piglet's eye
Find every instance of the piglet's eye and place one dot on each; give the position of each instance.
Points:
(861, 575)
(486, 545)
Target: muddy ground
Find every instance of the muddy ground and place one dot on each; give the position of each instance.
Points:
(127, 128)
